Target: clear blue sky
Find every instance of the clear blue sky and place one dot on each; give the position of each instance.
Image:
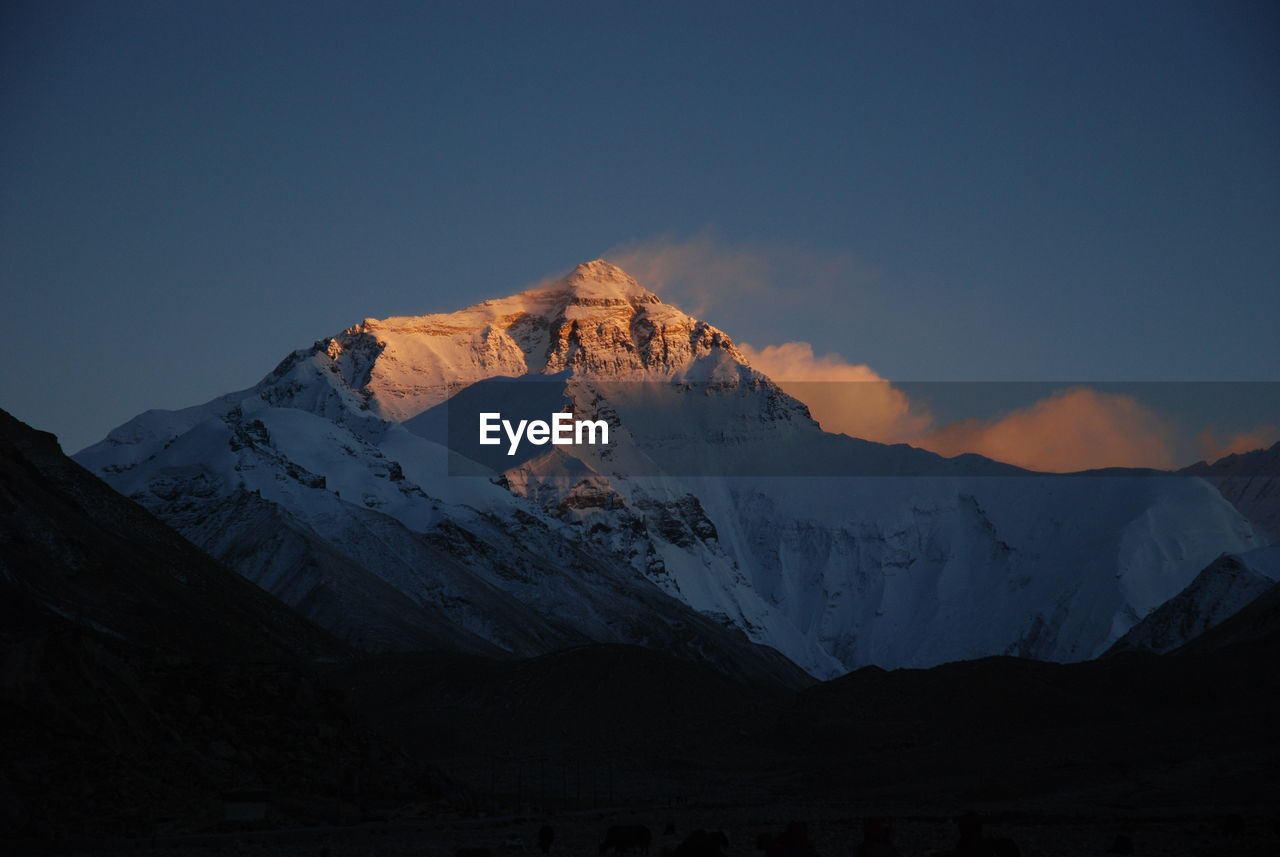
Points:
(188, 191)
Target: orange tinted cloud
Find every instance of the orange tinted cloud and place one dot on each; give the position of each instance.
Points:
(1213, 447)
(843, 397)
(1077, 429)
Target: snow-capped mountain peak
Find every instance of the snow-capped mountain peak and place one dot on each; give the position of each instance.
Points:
(599, 280)
(326, 484)
(595, 321)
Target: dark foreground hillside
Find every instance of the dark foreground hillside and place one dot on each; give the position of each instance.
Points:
(154, 701)
(141, 682)
(1177, 753)
(1193, 731)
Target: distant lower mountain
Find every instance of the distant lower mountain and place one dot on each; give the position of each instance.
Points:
(1256, 627)
(1224, 588)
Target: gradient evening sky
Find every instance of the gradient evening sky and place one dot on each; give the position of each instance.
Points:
(945, 191)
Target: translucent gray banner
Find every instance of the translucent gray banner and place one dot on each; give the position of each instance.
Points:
(745, 425)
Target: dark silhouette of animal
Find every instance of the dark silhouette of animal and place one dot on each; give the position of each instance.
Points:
(546, 835)
(625, 838)
(877, 840)
(702, 843)
(793, 842)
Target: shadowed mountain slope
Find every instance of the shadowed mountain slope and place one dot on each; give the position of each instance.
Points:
(1226, 586)
(140, 680)
(74, 552)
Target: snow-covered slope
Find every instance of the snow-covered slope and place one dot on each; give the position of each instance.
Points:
(1223, 589)
(1251, 482)
(914, 570)
(344, 533)
(331, 484)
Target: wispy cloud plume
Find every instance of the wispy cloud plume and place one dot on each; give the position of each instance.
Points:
(696, 274)
(703, 274)
(844, 397)
(1076, 429)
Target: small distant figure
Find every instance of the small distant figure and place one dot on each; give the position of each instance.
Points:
(877, 839)
(626, 839)
(1122, 845)
(703, 843)
(793, 842)
(546, 836)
